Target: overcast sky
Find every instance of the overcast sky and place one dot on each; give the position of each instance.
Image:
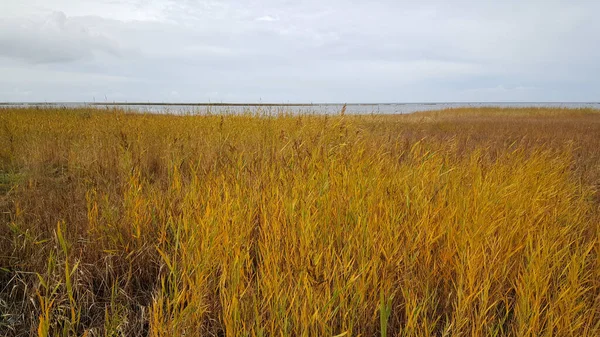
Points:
(299, 51)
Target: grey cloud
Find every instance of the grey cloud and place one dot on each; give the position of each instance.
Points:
(304, 50)
(54, 39)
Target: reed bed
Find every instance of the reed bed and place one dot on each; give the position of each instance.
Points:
(464, 222)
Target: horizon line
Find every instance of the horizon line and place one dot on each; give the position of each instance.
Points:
(286, 104)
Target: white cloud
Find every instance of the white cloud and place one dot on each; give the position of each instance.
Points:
(43, 74)
(126, 10)
(303, 50)
(517, 94)
(267, 18)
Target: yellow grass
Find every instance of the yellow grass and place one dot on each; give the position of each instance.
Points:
(479, 222)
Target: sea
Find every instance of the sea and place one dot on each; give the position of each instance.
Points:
(300, 108)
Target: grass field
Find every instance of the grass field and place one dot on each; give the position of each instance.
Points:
(464, 222)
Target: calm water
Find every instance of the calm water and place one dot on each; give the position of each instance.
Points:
(383, 108)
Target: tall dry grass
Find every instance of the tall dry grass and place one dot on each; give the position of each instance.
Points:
(463, 222)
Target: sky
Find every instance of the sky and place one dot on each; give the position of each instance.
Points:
(299, 51)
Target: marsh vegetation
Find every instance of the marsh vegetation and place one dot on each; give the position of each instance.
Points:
(480, 222)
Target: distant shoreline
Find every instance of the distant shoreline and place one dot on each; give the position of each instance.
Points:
(271, 104)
